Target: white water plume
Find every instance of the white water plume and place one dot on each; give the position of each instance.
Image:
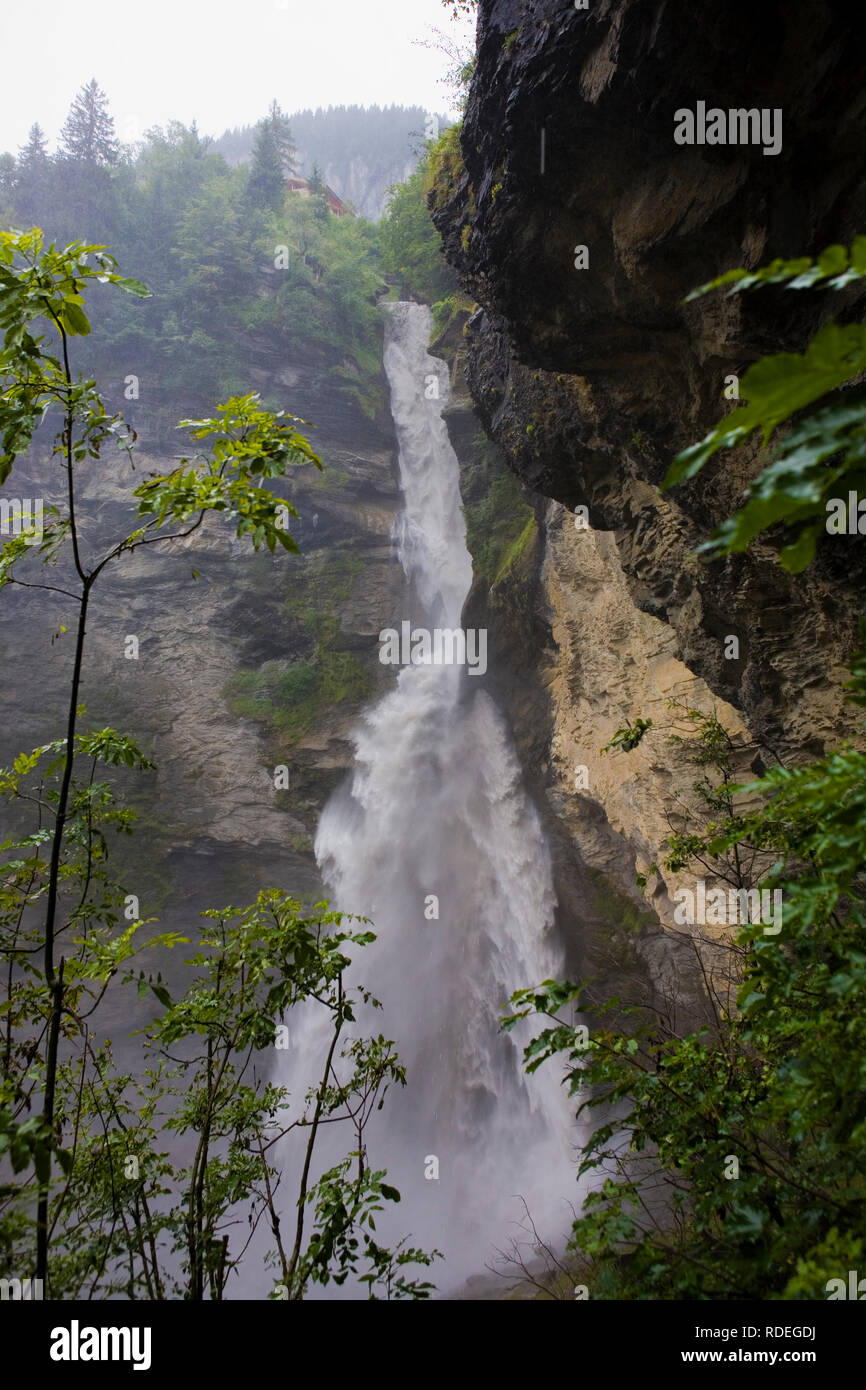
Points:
(435, 807)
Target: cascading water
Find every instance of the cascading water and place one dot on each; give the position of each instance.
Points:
(435, 810)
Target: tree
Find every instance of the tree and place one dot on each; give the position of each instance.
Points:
(274, 157)
(33, 182)
(411, 247)
(8, 177)
(267, 185)
(283, 139)
(88, 133)
(461, 62)
(33, 156)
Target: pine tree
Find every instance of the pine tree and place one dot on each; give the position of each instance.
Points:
(8, 179)
(33, 179)
(198, 143)
(267, 185)
(283, 139)
(33, 157)
(274, 156)
(88, 134)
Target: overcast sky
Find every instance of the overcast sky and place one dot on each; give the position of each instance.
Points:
(219, 61)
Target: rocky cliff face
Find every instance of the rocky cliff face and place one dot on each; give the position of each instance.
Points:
(364, 187)
(216, 694)
(570, 654)
(591, 379)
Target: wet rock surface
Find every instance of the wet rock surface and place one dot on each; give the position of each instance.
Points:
(593, 379)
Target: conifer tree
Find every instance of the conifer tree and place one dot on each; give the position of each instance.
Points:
(33, 178)
(274, 156)
(33, 157)
(8, 178)
(283, 138)
(88, 134)
(267, 184)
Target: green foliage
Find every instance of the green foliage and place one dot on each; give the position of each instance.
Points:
(834, 269)
(445, 166)
(345, 1226)
(513, 552)
(345, 146)
(500, 524)
(88, 134)
(248, 443)
(273, 150)
(628, 738)
(37, 284)
(411, 248)
(35, 152)
(325, 302)
(205, 242)
(821, 454)
(446, 310)
(284, 142)
(135, 1223)
(777, 1083)
(290, 698)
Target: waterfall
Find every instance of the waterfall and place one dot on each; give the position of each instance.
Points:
(435, 811)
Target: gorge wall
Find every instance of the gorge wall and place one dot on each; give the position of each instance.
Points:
(263, 660)
(591, 380)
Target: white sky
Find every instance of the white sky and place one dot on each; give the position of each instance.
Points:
(221, 61)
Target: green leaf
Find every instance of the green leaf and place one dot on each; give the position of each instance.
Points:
(131, 286)
(74, 319)
(798, 274)
(795, 557)
(747, 1222)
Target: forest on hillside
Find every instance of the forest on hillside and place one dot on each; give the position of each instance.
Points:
(226, 256)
